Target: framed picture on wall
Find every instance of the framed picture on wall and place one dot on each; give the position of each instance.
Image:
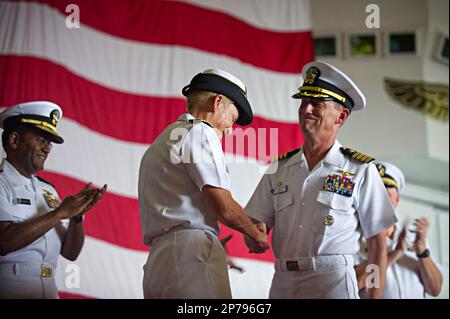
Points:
(362, 44)
(401, 43)
(327, 45)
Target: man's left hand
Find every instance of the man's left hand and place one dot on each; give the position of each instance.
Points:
(97, 197)
(422, 225)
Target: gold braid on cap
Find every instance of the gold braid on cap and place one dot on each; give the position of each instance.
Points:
(324, 91)
(41, 124)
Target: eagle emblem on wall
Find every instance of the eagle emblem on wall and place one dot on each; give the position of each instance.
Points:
(428, 98)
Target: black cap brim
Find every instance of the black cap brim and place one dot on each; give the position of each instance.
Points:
(217, 84)
(52, 137)
(14, 124)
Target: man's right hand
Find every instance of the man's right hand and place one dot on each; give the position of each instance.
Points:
(260, 243)
(78, 204)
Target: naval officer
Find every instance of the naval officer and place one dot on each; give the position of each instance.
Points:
(184, 191)
(322, 198)
(35, 226)
(411, 270)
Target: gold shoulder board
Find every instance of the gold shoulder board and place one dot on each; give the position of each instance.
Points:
(356, 155)
(286, 155)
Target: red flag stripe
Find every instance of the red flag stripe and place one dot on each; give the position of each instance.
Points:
(136, 68)
(67, 295)
(172, 23)
(118, 79)
(102, 109)
(115, 219)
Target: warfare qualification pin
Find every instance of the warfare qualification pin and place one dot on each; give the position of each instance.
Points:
(329, 220)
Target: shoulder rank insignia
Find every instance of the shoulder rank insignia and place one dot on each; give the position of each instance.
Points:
(201, 121)
(286, 155)
(46, 182)
(356, 155)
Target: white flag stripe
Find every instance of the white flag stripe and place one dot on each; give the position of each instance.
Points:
(99, 260)
(99, 156)
(285, 15)
(109, 62)
(97, 263)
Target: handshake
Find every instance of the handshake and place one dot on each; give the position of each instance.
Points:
(258, 243)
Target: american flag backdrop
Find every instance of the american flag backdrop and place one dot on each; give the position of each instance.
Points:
(118, 78)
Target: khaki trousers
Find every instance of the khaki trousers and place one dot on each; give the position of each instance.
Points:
(187, 264)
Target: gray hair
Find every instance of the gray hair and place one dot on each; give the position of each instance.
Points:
(198, 98)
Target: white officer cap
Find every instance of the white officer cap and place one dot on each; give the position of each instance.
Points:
(41, 116)
(391, 175)
(326, 82)
(223, 82)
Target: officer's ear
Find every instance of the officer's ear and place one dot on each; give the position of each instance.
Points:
(217, 100)
(14, 140)
(343, 115)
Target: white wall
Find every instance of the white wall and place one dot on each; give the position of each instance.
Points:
(436, 73)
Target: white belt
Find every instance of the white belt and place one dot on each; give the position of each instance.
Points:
(313, 263)
(154, 241)
(43, 271)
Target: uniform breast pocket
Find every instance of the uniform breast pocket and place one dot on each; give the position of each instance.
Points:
(23, 204)
(23, 212)
(284, 213)
(334, 213)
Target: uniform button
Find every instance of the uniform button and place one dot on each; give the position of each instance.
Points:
(300, 226)
(303, 204)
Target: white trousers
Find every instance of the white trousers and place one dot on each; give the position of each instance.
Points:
(187, 264)
(337, 282)
(19, 281)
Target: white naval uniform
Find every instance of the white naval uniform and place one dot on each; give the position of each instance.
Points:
(294, 203)
(402, 278)
(21, 274)
(186, 260)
